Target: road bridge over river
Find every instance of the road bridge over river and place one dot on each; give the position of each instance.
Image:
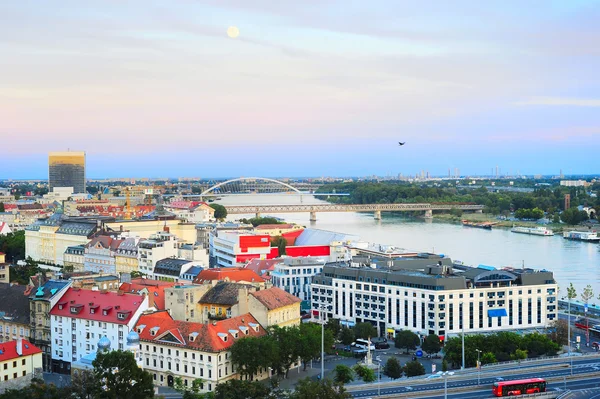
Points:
(375, 208)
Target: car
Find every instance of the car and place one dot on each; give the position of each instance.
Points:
(432, 376)
(499, 379)
(595, 345)
(382, 345)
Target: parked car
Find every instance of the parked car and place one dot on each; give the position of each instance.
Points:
(382, 345)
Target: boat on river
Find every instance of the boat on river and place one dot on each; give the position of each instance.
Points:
(587, 236)
(536, 231)
(482, 225)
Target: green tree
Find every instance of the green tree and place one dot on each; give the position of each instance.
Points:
(406, 339)
(13, 245)
(413, 369)
(444, 365)
(365, 373)
(587, 294)
(280, 243)
(120, 377)
(308, 346)
(220, 211)
(84, 384)
(190, 391)
(308, 389)
(571, 292)
(286, 353)
(334, 326)
(520, 354)
(392, 368)
(488, 358)
(431, 344)
(559, 331)
(2, 207)
(246, 356)
(242, 389)
(36, 389)
(21, 274)
(343, 374)
(365, 330)
(347, 335)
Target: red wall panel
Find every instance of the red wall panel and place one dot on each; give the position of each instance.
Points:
(316, 250)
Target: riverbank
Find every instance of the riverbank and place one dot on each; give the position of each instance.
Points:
(557, 228)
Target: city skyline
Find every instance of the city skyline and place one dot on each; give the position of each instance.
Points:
(302, 89)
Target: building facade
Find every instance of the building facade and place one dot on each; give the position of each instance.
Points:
(81, 317)
(294, 275)
(159, 246)
(4, 269)
(126, 257)
(67, 169)
(41, 301)
(274, 307)
(429, 298)
(100, 254)
(172, 348)
(20, 360)
(236, 248)
(14, 312)
(74, 258)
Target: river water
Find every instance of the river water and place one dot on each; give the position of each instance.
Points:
(571, 261)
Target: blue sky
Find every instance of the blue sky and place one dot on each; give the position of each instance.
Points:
(308, 88)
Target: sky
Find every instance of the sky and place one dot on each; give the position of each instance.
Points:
(308, 88)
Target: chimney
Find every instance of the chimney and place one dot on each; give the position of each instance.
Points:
(20, 346)
(166, 229)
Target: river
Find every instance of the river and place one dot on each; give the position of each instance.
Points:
(571, 261)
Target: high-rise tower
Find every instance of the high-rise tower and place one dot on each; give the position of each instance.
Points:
(67, 169)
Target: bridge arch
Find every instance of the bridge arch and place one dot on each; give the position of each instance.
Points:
(208, 190)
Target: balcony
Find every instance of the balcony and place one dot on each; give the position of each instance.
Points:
(217, 316)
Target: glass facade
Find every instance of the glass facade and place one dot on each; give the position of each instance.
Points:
(67, 169)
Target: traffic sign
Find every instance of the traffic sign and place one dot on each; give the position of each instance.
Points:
(419, 353)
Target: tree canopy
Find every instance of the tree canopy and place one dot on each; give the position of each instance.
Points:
(309, 389)
(119, 377)
(392, 368)
(220, 211)
(13, 245)
(432, 344)
(406, 339)
(365, 330)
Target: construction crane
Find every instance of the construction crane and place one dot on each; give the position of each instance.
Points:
(127, 203)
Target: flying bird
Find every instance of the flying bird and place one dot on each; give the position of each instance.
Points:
(401, 143)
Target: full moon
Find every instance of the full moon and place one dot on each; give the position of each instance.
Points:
(233, 32)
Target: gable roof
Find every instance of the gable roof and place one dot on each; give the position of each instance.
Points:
(8, 350)
(274, 298)
(223, 293)
(228, 273)
(85, 300)
(215, 337)
(14, 304)
(106, 242)
(48, 290)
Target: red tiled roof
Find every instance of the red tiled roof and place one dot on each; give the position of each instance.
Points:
(231, 273)
(274, 298)
(209, 337)
(155, 289)
(8, 350)
(83, 298)
(106, 242)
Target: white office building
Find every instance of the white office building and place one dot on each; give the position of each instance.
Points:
(433, 296)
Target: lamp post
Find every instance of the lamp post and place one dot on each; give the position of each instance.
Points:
(462, 324)
(379, 378)
(322, 309)
(478, 368)
(446, 374)
(569, 331)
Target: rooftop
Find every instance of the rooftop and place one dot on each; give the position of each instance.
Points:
(170, 266)
(223, 293)
(109, 307)
(14, 303)
(218, 336)
(8, 350)
(274, 298)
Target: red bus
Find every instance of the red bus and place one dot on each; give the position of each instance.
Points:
(519, 387)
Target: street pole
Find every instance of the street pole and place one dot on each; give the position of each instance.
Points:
(569, 333)
(478, 368)
(445, 386)
(462, 321)
(379, 376)
(322, 344)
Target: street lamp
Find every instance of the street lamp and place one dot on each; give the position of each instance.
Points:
(445, 374)
(462, 326)
(322, 309)
(379, 378)
(478, 367)
(569, 331)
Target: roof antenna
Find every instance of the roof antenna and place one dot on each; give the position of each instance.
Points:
(523, 265)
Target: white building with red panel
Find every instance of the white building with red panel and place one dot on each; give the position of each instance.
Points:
(231, 248)
(81, 317)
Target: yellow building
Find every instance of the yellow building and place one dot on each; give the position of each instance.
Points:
(126, 257)
(19, 361)
(223, 301)
(274, 306)
(4, 269)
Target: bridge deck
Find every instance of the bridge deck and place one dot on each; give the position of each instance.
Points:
(243, 209)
